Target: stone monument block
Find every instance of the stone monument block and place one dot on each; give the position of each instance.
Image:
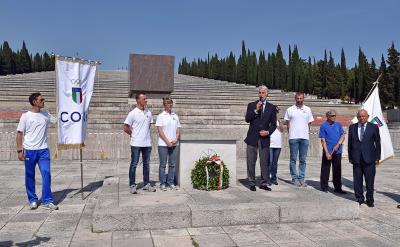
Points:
(191, 150)
(152, 74)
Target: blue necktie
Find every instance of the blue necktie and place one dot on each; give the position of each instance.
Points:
(362, 132)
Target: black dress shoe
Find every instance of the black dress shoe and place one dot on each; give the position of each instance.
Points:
(265, 187)
(398, 206)
(361, 202)
(370, 204)
(276, 183)
(324, 190)
(253, 188)
(340, 191)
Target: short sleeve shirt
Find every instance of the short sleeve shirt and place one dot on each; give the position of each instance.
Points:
(276, 137)
(140, 122)
(169, 124)
(331, 133)
(34, 126)
(299, 118)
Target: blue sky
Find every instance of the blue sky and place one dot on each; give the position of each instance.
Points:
(109, 30)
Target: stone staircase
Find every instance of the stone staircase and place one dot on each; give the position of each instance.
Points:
(202, 104)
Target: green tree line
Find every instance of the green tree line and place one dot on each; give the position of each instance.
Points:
(324, 78)
(21, 61)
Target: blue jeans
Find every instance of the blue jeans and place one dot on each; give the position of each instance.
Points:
(42, 158)
(167, 154)
(273, 163)
(298, 146)
(135, 153)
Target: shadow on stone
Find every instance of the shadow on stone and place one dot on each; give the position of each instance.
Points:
(6, 243)
(59, 196)
(244, 182)
(395, 197)
(316, 185)
(34, 242)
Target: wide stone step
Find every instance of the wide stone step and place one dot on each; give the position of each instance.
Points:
(118, 210)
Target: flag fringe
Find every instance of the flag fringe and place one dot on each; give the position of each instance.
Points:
(70, 146)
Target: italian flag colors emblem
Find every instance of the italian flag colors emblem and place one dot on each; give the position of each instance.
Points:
(77, 95)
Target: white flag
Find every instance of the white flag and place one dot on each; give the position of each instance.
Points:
(373, 107)
(75, 82)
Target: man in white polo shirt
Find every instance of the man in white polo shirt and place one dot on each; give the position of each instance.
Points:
(32, 148)
(137, 126)
(298, 120)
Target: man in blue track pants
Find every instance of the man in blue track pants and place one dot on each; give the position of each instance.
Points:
(32, 148)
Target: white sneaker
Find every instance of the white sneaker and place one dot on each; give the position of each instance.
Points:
(173, 187)
(163, 188)
(133, 189)
(149, 188)
(33, 205)
(50, 206)
(302, 183)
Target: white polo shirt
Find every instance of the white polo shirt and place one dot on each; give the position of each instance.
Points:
(299, 118)
(169, 124)
(34, 127)
(276, 137)
(140, 122)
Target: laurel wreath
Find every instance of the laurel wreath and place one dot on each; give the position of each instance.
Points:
(207, 164)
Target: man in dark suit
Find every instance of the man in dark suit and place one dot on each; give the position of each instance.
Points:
(364, 149)
(262, 118)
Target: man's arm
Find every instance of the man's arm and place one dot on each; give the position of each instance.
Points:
(340, 142)
(272, 126)
(327, 154)
(178, 136)
(349, 145)
(287, 125)
(127, 129)
(163, 137)
(378, 145)
(251, 112)
(19, 139)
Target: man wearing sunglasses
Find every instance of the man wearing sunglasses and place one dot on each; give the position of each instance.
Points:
(332, 137)
(32, 148)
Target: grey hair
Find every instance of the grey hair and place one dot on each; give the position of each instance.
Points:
(263, 87)
(330, 112)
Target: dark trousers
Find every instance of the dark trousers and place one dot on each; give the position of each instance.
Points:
(366, 170)
(336, 162)
(251, 163)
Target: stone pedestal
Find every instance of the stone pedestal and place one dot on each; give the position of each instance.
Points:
(194, 147)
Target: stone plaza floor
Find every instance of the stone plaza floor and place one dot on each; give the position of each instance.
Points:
(71, 225)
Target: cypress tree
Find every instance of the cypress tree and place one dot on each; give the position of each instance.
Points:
(242, 65)
(385, 86)
(280, 68)
(47, 62)
(25, 60)
(269, 70)
(394, 72)
(37, 63)
(8, 59)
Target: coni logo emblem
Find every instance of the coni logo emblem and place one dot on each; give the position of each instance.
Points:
(77, 95)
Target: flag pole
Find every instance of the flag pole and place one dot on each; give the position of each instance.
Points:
(372, 89)
(80, 156)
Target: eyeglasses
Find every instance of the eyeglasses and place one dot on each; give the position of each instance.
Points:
(332, 115)
(41, 100)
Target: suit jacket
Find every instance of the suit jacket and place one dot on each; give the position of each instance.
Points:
(258, 122)
(369, 148)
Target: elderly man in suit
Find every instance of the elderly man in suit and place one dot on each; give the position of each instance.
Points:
(262, 118)
(364, 149)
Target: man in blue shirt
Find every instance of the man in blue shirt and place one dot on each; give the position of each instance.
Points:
(332, 137)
